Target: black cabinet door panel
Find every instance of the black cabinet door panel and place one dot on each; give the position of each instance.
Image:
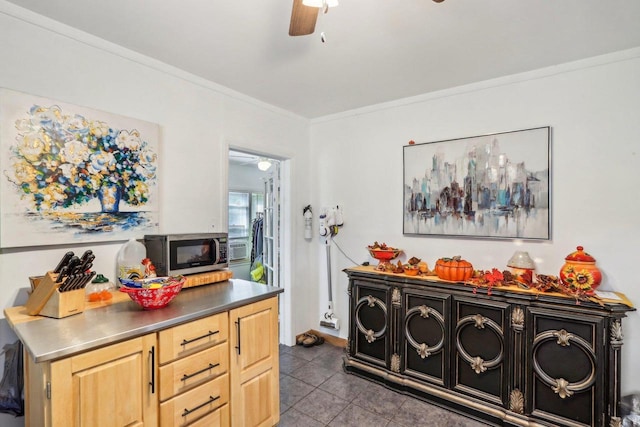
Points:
(371, 326)
(565, 367)
(426, 343)
(479, 349)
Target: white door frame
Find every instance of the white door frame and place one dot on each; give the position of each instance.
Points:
(285, 231)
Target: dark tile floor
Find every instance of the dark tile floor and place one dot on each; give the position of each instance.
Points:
(315, 392)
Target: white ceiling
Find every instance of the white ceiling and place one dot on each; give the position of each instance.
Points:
(376, 50)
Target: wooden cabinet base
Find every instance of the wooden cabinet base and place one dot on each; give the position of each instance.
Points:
(254, 364)
(108, 387)
(192, 374)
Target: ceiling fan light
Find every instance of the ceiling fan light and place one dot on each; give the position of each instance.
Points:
(320, 3)
(264, 164)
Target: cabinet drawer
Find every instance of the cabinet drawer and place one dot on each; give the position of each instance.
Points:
(191, 371)
(194, 404)
(192, 337)
(218, 418)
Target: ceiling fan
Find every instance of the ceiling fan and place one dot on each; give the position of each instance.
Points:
(304, 15)
(303, 18)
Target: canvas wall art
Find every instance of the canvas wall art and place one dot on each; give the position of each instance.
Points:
(72, 174)
(491, 186)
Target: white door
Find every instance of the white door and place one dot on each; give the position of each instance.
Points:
(271, 236)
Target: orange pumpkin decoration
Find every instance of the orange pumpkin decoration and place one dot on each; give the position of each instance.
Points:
(454, 269)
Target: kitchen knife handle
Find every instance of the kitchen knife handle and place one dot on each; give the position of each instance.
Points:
(91, 276)
(152, 383)
(86, 279)
(86, 255)
(87, 263)
(73, 264)
(65, 259)
(62, 274)
(75, 282)
(67, 283)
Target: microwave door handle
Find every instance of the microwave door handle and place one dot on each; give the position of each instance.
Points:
(216, 243)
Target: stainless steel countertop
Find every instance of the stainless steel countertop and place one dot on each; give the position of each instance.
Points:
(49, 339)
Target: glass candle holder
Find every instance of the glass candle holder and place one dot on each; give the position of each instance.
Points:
(522, 266)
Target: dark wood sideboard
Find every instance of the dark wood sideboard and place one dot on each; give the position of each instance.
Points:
(507, 358)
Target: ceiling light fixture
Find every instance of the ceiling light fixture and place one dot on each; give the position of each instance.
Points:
(264, 164)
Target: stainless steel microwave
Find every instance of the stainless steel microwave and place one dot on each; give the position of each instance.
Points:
(174, 254)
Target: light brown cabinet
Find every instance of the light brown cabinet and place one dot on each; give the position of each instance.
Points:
(220, 370)
(194, 380)
(110, 387)
(254, 371)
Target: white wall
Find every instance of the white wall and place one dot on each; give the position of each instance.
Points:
(199, 121)
(593, 109)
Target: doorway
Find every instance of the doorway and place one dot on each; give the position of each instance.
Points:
(255, 222)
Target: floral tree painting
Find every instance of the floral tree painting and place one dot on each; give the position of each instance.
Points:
(72, 174)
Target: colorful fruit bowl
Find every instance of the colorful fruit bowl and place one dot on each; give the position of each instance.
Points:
(154, 293)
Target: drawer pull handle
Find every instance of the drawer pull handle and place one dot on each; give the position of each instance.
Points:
(185, 342)
(211, 400)
(208, 368)
(152, 383)
(238, 335)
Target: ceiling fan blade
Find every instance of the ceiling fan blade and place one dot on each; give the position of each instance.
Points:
(303, 19)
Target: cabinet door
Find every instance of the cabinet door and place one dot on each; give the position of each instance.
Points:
(566, 367)
(425, 328)
(480, 364)
(110, 387)
(370, 328)
(253, 369)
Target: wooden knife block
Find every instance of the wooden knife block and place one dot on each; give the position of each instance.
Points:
(47, 300)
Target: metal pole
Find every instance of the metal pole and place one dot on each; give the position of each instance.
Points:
(328, 245)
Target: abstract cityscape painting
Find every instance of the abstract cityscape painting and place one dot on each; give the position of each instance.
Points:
(491, 186)
(71, 174)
